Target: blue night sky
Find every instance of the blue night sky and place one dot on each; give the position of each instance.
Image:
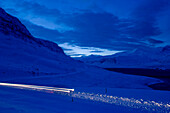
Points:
(101, 27)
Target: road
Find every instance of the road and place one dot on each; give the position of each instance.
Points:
(142, 104)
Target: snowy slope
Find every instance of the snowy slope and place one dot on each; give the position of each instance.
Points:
(21, 52)
(26, 59)
(138, 58)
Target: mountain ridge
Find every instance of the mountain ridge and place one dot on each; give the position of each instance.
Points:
(138, 58)
(11, 25)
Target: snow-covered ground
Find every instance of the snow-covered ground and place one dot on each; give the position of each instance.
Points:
(90, 78)
(29, 60)
(19, 56)
(84, 100)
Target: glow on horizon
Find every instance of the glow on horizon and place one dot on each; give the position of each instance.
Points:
(78, 51)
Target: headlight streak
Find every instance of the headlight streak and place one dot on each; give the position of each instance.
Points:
(122, 101)
(39, 88)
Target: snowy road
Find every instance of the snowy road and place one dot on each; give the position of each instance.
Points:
(142, 104)
(148, 105)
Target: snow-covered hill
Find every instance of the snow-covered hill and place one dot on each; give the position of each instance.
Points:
(138, 58)
(26, 59)
(21, 52)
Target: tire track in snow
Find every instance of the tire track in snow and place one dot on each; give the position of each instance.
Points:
(123, 101)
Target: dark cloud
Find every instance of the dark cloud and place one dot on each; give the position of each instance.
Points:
(32, 11)
(36, 9)
(41, 32)
(149, 9)
(96, 51)
(154, 41)
(13, 11)
(105, 30)
(145, 18)
(67, 49)
(94, 25)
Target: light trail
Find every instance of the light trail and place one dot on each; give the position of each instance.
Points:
(149, 105)
(35, 87)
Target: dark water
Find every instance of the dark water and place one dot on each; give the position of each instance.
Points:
(155, 73)
(162, 86)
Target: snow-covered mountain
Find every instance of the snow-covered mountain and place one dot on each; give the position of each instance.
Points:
(26, 59)
(21, 52)
(138, 58)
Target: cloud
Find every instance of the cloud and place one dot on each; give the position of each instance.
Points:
(41, 32)
(92, 25)
(36, 9)
(13, 11)
(96, 51)
(105, 30)
(149, 9)
(154, 41)
(78, 51)
(94, 29)
(36, 13)
(145, 18)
